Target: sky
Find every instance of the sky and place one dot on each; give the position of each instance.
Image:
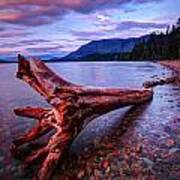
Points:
(54, 28)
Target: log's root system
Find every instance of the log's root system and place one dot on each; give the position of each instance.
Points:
(71, 106)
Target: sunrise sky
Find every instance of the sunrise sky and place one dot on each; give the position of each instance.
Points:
(57, 27)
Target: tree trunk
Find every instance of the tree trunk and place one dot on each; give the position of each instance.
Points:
(71, 105)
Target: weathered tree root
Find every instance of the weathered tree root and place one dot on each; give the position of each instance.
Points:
(71, 106)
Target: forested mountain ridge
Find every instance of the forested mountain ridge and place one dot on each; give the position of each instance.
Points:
(156, 46)
(159, 46)
(105, 46)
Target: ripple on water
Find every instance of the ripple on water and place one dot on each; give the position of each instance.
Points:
(145, 137)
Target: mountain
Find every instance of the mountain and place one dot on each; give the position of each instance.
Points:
(7, 60)
(46, 58)
(105, 46)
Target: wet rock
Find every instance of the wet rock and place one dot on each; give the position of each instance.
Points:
(1, 152)
(105, 164)
(154, 76)
(81, 174)
(89, 170)
(174, 150)
(114, 167)
(148, 161)
(97, 173)
(116, 153)
(139, 148)
(1, 158)
(1, 169)
(86, 149)
(108, 169)
(170, 142)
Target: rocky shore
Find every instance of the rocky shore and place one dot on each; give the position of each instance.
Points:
(172, 64)
(174, 78)
(136, 143)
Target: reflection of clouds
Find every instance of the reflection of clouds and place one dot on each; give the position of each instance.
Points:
(111, 74)
(92, 74)
(149, 128)
(97, 72)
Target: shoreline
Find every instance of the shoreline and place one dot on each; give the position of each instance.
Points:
(171, 64)
(138, 131)
(174, 65)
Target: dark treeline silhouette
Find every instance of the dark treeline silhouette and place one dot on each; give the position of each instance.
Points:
(159, 46)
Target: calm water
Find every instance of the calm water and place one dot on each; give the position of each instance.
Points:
(159, 114)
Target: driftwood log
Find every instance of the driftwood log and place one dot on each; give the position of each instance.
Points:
(71, 106)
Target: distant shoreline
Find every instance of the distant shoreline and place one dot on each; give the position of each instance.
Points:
(59, 61)
(173, 64)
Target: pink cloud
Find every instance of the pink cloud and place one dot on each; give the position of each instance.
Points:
(14, 33)
(40, 12)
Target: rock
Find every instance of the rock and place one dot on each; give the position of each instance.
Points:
(81, 174)
(174, 150)
(109, 145)
(148, 161)
(116, 153)
(88, 170)
(170, 142)
(86, 149)
(96, 173)
(108, 169)
(1, 158)
(105, 164)
(139, 148)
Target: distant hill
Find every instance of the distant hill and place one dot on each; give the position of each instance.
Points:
(45, 58)
(104, 47)
(6, 61)
(155, 46)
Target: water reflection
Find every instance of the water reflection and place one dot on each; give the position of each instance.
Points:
(156, 121)
(112, 74)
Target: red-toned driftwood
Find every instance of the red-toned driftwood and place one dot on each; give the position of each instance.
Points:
(71, 105)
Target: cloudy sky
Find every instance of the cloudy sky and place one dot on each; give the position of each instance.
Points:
(57, 27)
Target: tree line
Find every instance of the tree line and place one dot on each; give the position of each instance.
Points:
(158, 46)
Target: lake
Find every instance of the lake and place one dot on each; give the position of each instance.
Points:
(153, 127)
